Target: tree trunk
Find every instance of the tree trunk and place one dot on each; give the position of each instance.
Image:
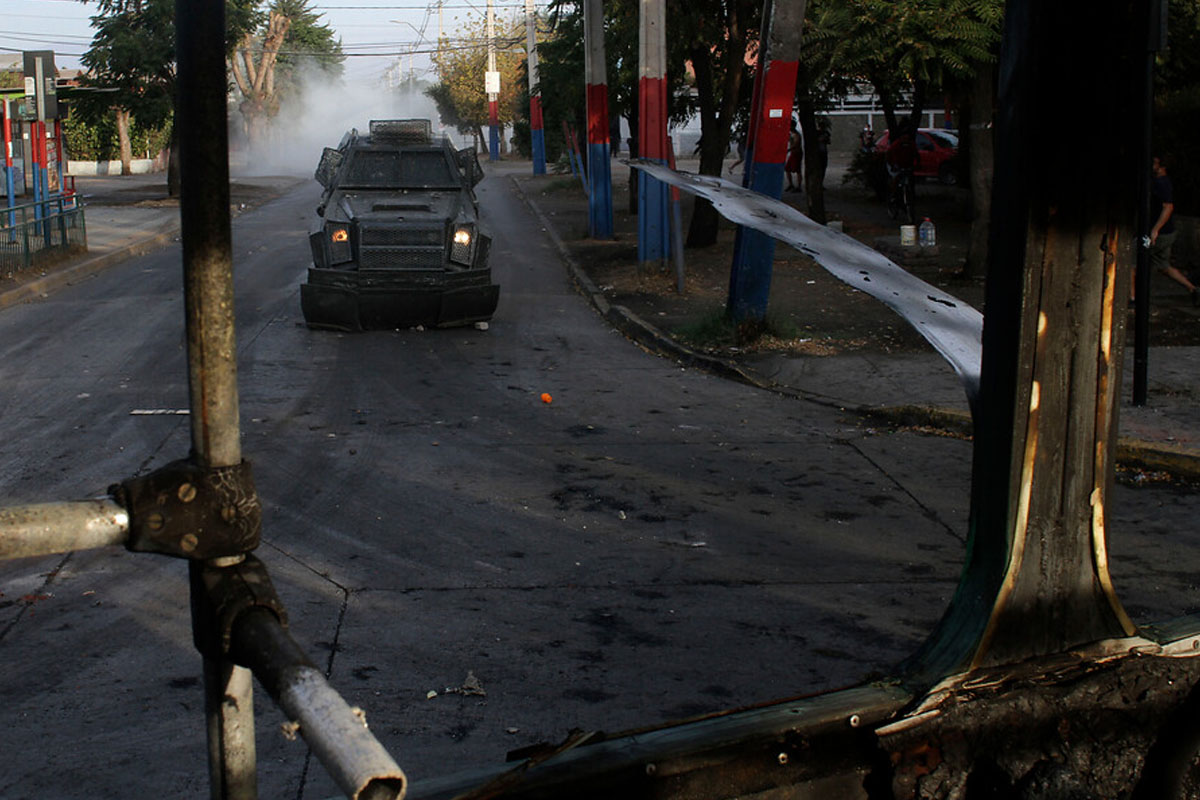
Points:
(173, 163)
(714, 144)
(980, 152)
(635, 151)
(816, 159)
(126, 148)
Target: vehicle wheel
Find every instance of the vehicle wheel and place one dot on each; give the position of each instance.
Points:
(948, 174)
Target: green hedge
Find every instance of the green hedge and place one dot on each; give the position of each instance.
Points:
(98, 142)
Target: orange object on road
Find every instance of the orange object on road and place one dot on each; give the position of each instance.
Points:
(546, 398)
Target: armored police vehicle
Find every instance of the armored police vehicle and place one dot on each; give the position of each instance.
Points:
(398, 241)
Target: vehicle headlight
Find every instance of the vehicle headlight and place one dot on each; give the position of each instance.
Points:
(460, 250)
(340, 250)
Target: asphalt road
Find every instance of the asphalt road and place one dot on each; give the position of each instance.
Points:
(654, 544)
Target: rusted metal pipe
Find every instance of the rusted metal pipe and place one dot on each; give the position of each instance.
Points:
(200, 119)
(46, 528)
(337, 733)
(205, 232)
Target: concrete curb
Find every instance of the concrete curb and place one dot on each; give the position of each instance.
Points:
(59, 277)
(1176, 460)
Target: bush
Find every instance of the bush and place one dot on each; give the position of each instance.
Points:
(85, 141)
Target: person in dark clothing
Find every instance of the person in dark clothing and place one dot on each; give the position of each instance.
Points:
(1162, 227)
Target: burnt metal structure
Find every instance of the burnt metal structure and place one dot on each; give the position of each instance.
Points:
(1035, 684)
(398, 241)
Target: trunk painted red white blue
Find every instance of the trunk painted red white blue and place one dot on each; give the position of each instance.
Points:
(766, 153)
(600, 208)
(537, 133)
(654, 229)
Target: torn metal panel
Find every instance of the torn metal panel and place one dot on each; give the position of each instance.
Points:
(952, 326)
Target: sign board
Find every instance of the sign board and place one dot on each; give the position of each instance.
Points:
(39, 76)
(491, 82)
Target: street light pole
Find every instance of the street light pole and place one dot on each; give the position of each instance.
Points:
(537, 134)
(492, 81)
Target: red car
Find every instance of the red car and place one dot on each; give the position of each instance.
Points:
(937, 154)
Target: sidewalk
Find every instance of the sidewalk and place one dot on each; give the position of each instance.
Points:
(130, 215)
(125, 216)
(892, 388)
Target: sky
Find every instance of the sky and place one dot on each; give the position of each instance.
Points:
(375, 34)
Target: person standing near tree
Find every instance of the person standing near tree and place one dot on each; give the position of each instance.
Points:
(795, 156)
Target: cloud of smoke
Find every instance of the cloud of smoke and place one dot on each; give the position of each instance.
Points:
(317, 116)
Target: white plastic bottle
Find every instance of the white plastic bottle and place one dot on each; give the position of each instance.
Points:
(927, 234)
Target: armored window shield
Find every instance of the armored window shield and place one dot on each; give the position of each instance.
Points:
(402, 131)
(330, 160)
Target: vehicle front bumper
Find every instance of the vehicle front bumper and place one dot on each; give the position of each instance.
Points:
(354, 300)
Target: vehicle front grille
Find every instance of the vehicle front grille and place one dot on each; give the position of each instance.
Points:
(401, 257)
(388, 235)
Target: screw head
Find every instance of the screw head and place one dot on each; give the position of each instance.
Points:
(228, 513)
(187, 492)
(189, 542)
(155, 521)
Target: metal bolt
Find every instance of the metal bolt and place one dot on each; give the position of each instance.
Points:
(228, 513)
(155, 521)
(187, 492)
(189, 542)
(783, 758)
(854, 720)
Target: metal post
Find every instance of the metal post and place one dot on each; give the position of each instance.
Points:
(493, 91)
(654, 232)
(537, 134)
(212, 351)
(766, 154)
(9, 187)
(1155, 41)
(600, 208)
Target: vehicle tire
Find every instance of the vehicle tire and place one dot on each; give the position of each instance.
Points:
(948, 173)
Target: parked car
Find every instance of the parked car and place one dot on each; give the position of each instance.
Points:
(937, 154)
(398, 241)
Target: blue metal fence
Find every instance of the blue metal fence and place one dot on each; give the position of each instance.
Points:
(34, 234)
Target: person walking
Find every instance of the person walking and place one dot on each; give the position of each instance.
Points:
(1162, 230)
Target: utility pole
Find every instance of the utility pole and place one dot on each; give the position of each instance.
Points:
(766, 153)
(492, 85)
(654, 230)
(537, 134)
(600, 209)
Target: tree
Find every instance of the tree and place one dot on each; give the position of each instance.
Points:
(912, 49)
(266, 64)
(131, 65)
(909, 47)
(460, 93)
(560, 72)
(720, 34)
